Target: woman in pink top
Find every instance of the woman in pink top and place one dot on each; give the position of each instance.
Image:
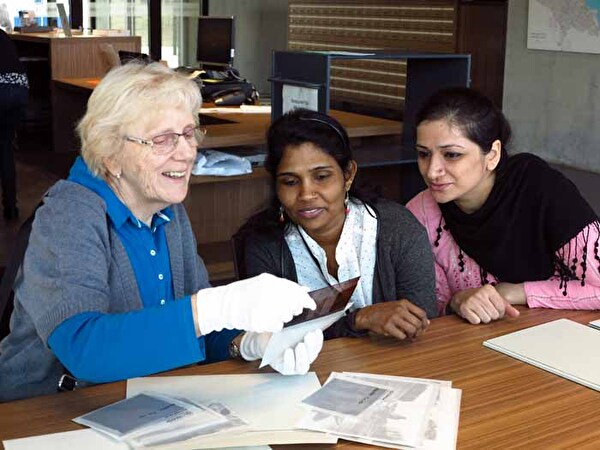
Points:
(504, 231)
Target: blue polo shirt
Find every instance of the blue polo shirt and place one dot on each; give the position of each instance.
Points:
(159, 337)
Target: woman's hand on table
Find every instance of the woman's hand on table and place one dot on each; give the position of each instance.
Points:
(482, 305)
(400, 319)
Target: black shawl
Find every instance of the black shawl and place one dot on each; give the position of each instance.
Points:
(531, 213)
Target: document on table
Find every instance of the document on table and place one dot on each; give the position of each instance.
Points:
(144, 420)
(82, 439)
(268, 403)
(562, 347)
(395, 412)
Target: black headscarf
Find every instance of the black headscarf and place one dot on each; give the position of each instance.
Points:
(531, 213)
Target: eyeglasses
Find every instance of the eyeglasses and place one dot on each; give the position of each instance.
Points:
(165, 143)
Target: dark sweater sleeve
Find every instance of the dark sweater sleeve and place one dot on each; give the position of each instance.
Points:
(412, 261)
(263, 253)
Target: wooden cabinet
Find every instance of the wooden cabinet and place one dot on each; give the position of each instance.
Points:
(72, 57)
(482, 33)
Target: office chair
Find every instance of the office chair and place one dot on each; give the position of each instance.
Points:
(5, 317)
(9, 273)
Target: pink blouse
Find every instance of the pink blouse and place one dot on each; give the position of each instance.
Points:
(540, 294)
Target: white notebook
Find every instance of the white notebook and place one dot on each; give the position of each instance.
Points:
(563, 347)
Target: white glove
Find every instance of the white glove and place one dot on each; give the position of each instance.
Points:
(294, 361)
(261, 303)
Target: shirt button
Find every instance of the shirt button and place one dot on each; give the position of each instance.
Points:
(160, 276)
(153, 252)
(162, 301)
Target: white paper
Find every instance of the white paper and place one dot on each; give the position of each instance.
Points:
(442, 430)
(179, 432)
(269, 403)
(345, 397)
(299, 97)
(70, 440)
(153, 414)
(563, 347)
(82, 439)
(291, 336)
(399, 418)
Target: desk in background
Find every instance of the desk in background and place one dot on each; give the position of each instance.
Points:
(505, 402)
(51, 55)
(77, 56)
(70, 95)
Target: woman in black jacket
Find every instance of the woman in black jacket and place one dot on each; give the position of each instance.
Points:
(321, 230)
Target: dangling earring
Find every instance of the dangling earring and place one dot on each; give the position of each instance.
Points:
(346, 201)
(281, 216)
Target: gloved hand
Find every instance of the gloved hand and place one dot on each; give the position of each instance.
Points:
(261, 303)
(294, 361)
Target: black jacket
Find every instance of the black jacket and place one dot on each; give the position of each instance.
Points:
(9, 61)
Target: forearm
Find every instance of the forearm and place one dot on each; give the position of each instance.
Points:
(549, 294)
(345, 327)
(100, 347)
(580, 293)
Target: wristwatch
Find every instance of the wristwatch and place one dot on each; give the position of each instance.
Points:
(66, 383)
(234, 350)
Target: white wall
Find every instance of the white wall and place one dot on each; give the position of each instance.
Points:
(552, 99)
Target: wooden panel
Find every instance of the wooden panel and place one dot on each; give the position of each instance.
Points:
(81, 57)
(482, 33)
(217, 210)
(77, 56)
(362, 25)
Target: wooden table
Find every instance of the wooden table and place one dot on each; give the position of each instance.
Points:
(505, 403)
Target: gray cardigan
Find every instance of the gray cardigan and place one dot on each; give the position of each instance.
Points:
(403, 268)
(76, 263)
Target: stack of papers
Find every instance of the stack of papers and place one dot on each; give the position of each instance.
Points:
(146, 420)
(388, 411)
(562, 347)
(269, 404)
(236, 411)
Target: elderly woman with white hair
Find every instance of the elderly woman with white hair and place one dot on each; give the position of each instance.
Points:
(111, 286)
